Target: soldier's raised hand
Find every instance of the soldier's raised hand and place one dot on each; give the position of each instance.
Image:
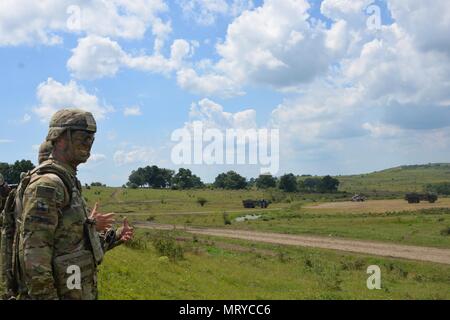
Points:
(103, 221)
(127, 232)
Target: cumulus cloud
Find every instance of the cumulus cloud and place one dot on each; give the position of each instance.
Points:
(212, 115)
(274, 45)
(388, 91)
(46, 21)
(206, 12)
(97, 57)
(136, 154)
(53, 95)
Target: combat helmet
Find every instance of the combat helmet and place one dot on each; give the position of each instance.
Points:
(70, 119)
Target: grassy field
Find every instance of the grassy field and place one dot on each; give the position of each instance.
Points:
(215, 268)
(381, 220)
(399, 179)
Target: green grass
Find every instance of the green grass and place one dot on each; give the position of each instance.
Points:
(211, 272)
(422, 227)
(400, 179)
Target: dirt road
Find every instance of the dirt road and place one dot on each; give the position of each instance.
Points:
(359, 246)
(182, 213)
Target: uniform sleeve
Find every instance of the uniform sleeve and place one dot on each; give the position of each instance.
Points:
(41, 210)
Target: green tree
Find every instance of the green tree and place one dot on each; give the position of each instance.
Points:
(11, 172)
(328, 184)
(312, 184)
(288, 183)
(230, 180)
(137, 178)
(266, 181)
(184, 179)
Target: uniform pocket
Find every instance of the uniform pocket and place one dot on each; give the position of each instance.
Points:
(71, 268)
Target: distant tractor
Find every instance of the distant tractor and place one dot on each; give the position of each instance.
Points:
(251, 204)
(414, 197)
(358, 198)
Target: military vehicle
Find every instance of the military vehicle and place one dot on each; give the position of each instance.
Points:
(358, 198)
(251, 204)
(414, 197)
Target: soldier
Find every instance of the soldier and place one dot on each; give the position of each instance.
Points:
(58, 238)
(45, 150)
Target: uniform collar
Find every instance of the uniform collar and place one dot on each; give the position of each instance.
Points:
(69, 169)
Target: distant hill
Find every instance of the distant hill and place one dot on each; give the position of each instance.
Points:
(398, 179)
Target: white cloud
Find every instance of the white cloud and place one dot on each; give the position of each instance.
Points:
(209, 84)
(212, 115)
(385, 98)
(97, 57)
(427, 25)
(206, 12)
(132, 111)
(53, 95)
(136, 154)
(31, 22)
(284, 51)
(2, 141)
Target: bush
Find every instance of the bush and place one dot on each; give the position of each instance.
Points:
(226, 219)
(446, 231)
(137, 243)
(202, 201)
(166, 245)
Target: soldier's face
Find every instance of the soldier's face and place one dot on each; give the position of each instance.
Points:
(82, 142)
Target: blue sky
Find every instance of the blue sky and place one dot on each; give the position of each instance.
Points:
(347, 95)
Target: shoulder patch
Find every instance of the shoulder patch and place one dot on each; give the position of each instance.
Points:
(45, 192)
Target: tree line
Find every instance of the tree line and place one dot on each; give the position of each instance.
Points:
(161, 178)
(11, 172)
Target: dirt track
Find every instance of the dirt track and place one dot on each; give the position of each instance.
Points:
(182, 213)
(366, 247)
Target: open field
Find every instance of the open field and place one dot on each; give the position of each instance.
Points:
(366, 247)
(399, 179)
(393, 221)
(221, 268)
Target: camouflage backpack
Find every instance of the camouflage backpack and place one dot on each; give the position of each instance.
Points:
(9, 219)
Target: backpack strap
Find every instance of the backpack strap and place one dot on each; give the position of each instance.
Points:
(66, 179)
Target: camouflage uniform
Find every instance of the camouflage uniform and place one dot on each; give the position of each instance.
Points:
(56, 232)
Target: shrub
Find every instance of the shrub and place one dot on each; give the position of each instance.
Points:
(201, 201)
(137, 243)
(166, 245)
(446, 231)
(226, 219)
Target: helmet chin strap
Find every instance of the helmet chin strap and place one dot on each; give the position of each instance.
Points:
(69, 136)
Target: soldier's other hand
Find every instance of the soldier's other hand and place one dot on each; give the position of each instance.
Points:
(127, 231)
(103, 221)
